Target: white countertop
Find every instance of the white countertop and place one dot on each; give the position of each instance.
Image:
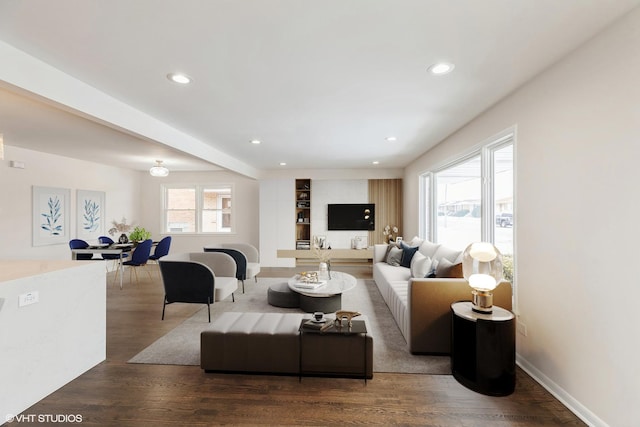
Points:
(17, 269)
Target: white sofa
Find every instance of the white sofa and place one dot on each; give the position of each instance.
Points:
(421, 306)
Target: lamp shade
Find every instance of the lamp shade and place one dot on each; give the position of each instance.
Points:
(482, 268)
(159, 170)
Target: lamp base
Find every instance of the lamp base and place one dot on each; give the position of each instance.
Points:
(482, 301)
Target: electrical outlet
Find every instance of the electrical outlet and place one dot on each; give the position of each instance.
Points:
(521, 328)
(28, 299)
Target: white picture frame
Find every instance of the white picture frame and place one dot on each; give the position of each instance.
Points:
(50, 215)
(361, 242)
(319, 241)
(90, 214)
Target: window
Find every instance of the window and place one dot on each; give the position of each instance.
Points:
(458, 200)
(472, 199)
(198, 209)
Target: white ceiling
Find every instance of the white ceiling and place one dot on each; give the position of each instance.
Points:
(320, 83)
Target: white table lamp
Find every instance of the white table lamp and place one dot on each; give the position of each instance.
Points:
(482, 268)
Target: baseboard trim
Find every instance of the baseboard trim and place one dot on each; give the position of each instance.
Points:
(561, 394)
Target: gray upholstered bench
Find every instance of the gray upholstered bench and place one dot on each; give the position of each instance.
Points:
(252, 342)
(270, 343)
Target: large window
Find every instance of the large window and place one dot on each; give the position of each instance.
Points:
(472, 199)
(198, 209)
(459, 193)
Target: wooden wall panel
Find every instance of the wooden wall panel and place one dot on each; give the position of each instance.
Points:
(388, 198)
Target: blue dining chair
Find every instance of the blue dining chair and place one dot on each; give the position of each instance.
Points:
(161, 249)
(114, 257)
(139, 258)
(80, 244)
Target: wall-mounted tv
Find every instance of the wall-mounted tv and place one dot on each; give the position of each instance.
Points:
(359, 216)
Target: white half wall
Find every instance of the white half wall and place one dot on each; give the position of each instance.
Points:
(578, 130)
(48, 343)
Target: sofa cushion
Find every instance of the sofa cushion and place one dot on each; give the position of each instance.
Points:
(407, 254)
(429, 249)
(447, 269)
(394, 256)
(420, 265)
(416, 241)
(452, 255)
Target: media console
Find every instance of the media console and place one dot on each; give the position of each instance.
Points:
(338, 256)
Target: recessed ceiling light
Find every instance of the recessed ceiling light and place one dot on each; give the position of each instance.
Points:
(283, 164)
(255, 141)
(391, 138)
(375, 162)
(179, 78)
(441, 68)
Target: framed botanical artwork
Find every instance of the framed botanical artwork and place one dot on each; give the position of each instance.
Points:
(90, 207)
(50, 215)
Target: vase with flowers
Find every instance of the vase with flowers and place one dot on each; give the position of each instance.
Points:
(324, 258)
(120, 227)
(390, 233)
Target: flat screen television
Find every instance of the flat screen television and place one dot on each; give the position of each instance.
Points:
(358, 216)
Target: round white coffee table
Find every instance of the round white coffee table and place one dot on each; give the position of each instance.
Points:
(327, 297)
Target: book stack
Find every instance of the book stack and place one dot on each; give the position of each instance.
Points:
(310, 285)
(310, 324)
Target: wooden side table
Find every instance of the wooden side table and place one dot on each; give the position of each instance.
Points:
(483, 349)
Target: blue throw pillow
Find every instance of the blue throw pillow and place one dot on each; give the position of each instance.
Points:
(407, 254)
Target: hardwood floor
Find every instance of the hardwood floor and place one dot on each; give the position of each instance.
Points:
(121, 394)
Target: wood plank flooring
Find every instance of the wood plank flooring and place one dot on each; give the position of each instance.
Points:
(116, 393)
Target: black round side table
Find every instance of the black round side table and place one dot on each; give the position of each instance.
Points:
(483, 349)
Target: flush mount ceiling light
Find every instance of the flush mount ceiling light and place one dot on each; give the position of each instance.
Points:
(375, 162)
(391, 138)
(441, 68)
(179, 78)
(255, 141)
(159, 170)
(283, 163)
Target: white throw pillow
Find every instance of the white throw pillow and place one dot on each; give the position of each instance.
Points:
(420, 265)
(416, 241)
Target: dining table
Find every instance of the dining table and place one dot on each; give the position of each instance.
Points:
(113, 249)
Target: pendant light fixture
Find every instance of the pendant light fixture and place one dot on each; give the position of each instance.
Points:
(159, 170)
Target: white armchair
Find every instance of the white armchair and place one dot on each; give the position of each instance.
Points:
(246, 256)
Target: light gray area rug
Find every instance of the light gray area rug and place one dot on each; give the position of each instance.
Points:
(181, 346)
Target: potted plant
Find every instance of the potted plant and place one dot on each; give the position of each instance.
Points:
(139, 234)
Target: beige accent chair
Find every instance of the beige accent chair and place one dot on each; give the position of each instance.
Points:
(198, 278)
(246, 256)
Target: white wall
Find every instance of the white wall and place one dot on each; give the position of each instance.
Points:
(277, 212)
(47, 170)
(325, 191)
(277, 221)
(578, 130)
(245, 205)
